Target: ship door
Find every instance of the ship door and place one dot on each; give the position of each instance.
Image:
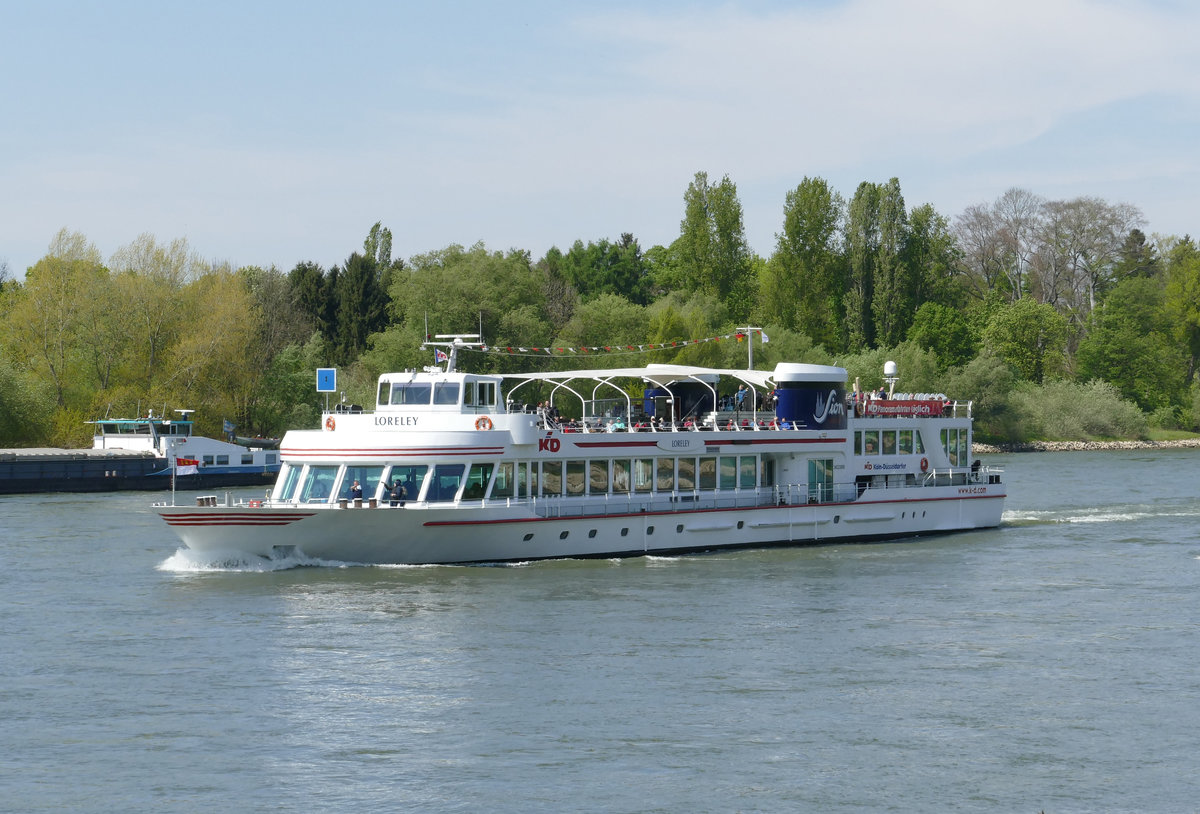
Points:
(820, 480)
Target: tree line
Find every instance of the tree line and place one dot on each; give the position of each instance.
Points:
(1017, 304)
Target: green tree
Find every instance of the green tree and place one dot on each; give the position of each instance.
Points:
(1128, 344)
(47, 315)
(361, 307)
(712, 247)
(1181, 299)
(608, 268)
(803, 285)
(897, 285)
(1029, 336)
(944, 330)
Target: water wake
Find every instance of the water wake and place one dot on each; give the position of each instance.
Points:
(185, 561)
(1107, 514)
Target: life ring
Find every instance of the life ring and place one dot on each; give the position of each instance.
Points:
(330, 424)
(924, 464)
(255, 504)
(483, 423)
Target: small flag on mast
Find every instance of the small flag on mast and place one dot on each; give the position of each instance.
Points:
(440, 356)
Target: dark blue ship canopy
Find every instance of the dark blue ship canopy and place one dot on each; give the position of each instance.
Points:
(811, 396)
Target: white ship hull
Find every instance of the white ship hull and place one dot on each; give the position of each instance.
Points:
(492, 481)
(416, 534)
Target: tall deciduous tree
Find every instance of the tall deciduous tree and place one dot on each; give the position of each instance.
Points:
(47, 316)
(803, 284)
(712, 247)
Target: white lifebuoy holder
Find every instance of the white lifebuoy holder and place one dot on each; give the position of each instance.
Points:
(330, 424)
(924, 464)
(483, 423)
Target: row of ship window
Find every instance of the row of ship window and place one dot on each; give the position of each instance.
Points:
(524, 479)
(247, 459)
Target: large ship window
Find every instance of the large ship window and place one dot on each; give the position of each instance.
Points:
(746, 468)
(708, 473)
(285, 487)
(505, 483)
(889, 442)
(666, 475)
(477, 481)
(575, 477)
(598, 477)
(643, 475)
(445, 393)
(728, 473)
(620, 476)
(906, 442)
(871, 442)
(687, 474)
(410, 477)
(318, 484)
(411, 393)
(552, 478)
(367, 477)
(444, 486)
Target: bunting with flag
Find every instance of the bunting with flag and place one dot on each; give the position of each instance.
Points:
(612, 349)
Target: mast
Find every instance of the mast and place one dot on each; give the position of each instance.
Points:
(452, 342)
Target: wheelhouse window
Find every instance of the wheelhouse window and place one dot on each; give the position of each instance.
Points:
(411, 392)
(385, 392)
(445, 393)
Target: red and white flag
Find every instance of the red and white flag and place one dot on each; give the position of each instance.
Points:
(187, 466)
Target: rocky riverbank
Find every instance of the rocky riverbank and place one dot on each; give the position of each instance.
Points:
(1084, 446)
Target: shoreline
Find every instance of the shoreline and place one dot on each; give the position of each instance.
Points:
(1083, 446)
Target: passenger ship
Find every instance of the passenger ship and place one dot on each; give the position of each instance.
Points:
(492, 475)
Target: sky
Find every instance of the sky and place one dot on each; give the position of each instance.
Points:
(271, 133)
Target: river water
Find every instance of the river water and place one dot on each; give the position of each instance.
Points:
(1050, 664)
